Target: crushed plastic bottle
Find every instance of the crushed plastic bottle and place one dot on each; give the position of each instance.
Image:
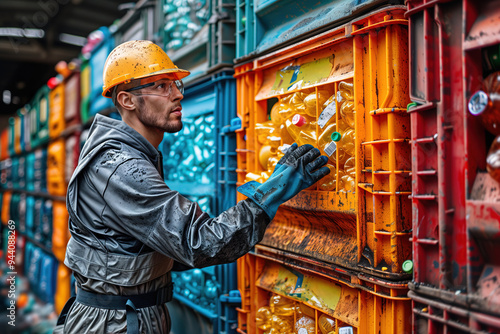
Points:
(326, 324)
(485, 103)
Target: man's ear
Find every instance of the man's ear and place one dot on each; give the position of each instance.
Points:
(127, 101)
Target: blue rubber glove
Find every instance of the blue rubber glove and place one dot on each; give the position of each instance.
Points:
(298, 169)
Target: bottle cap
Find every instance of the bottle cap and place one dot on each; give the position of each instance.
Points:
(298, 120)
(336, 136)
(478, 103)
(408, 266)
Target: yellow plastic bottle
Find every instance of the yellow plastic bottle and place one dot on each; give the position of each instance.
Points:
(310, 101)
(305, 325)
(345, 98)
(347, 141)
(329, 182)
(349, 178)
(302, 130)
(326, 324)
(264, 130)
(263, 318)
(281, 325)
(281, 306)
(328, 141)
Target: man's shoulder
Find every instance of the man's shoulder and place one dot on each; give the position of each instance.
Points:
(108, 159)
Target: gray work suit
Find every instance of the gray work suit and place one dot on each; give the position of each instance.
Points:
(128, 228)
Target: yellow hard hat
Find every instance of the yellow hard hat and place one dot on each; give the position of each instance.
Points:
(136, 60)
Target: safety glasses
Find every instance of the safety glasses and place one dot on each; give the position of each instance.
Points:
(160, 88)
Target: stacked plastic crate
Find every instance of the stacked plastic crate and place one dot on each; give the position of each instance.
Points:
(200, 161)
(455, 216)
(34, 185)
(334, 75)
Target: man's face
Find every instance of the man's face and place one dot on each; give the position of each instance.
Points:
(160, 105)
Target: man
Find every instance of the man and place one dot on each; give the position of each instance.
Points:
(128, 228)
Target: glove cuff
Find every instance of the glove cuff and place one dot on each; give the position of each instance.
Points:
(250, 190)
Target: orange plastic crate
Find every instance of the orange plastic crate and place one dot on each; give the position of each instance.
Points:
(56, 107)
(366, 228)
(5, 215)
(60, 231)
(356, 303)
(63, 287)
(56, 155)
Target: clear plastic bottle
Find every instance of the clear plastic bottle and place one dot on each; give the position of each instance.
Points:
(493, 160)
(326, 324)
(302, 130)
(305, 325)
(486, 103)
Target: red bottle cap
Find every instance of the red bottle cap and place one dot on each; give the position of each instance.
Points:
(298, 120)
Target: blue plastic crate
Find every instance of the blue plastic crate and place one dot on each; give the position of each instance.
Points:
(30, 171)
(185, 319)
(228, 316)
(201, 289)
(97, 59)
(15, 172)
(264, 25)
(30, 216)
(192, 158)
(40, 170)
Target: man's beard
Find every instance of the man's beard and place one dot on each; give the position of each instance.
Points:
(155, 121)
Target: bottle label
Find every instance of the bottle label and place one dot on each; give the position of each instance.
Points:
(302, 331)
(327, 114)
(346, 330)
(331, 148)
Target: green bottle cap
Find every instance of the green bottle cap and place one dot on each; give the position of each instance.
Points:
(243, 21)
(408, 266)
(336, 136)
(411, 105)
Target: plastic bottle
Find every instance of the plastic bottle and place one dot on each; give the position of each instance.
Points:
(310, 101)
(349, 178)
(345, 99)
(302, 130)
(264, 130)
(329, 182)
(328, 141)
(263, 318)
(486, 103)
(326, 324)
(347, 141)
(305, 325)
(493, 160)
(281, 325)
(281, 306)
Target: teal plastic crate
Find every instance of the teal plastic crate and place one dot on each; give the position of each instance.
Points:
(199, 36)
(264, 25)
(39, 117)
(200, 161)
